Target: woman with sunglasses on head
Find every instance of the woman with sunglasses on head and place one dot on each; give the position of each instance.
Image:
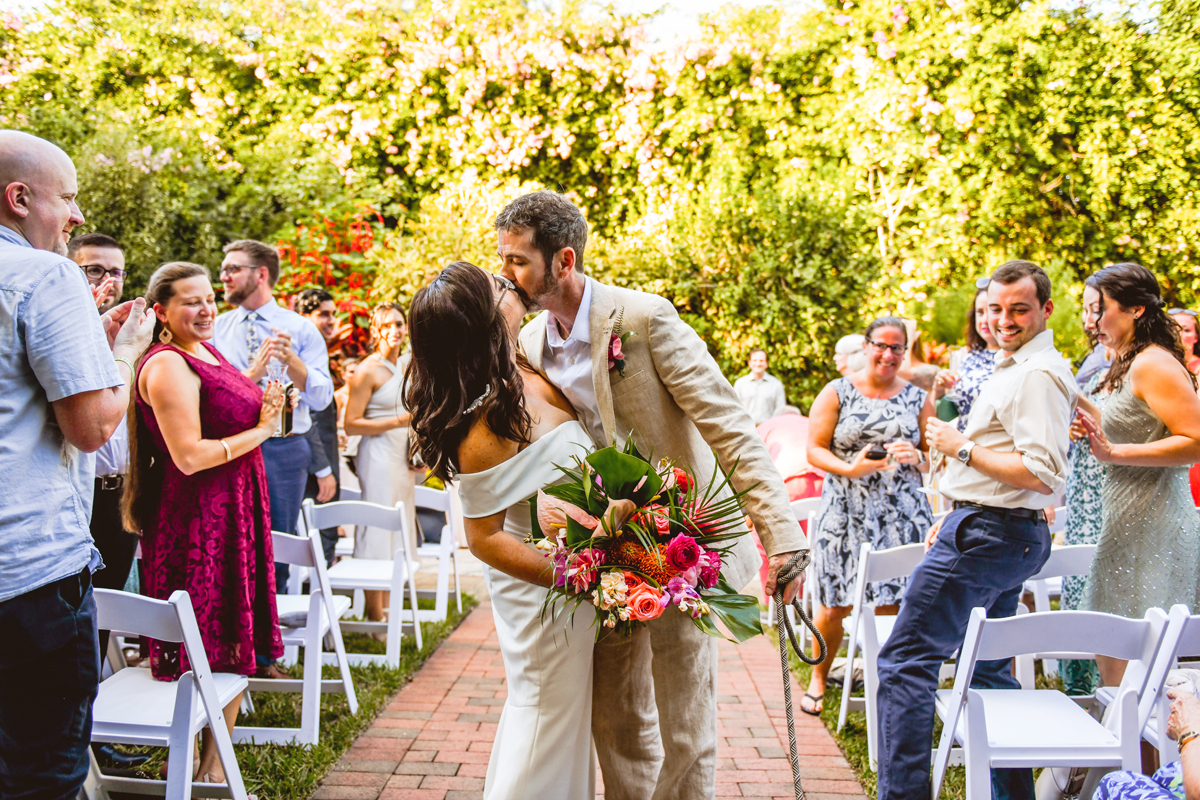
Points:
(375, 411)
(970, 367)
(1149, 550)
(866, 431)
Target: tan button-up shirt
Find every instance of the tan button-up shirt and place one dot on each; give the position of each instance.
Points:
(1026, 407)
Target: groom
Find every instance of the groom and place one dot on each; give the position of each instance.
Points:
(654, 708)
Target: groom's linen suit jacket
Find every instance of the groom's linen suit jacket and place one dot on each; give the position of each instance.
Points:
(676, 403)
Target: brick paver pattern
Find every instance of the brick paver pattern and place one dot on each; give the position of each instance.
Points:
(432, 742)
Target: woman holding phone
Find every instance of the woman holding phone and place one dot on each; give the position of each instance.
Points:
(866, 431)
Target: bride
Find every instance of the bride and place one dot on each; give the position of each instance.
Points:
(483, 417)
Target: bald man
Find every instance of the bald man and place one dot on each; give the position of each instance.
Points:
(64, 380)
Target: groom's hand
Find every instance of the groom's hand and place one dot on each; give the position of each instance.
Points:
(776, 563)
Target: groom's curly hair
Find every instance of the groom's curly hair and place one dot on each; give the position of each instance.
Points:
(461, 353)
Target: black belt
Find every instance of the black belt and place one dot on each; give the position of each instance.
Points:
(1007, 513)
(110, 483)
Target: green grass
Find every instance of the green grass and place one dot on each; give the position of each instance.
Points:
(853, 737)
(279, 772)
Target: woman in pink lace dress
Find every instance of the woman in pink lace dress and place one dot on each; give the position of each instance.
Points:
(197, 488)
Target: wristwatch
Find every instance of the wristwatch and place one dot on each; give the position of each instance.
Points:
(964, 453)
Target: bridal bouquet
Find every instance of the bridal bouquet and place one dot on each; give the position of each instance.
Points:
(636, 541)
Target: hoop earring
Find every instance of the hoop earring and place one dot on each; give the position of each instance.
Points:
(165, 337)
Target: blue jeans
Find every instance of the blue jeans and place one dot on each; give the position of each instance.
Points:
(286, 459)
(981, 558)
(49, 671)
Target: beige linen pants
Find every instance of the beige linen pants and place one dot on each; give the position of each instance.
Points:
(654, 711)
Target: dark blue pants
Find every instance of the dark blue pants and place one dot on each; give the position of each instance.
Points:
(49, 671)
(980, 558)
(329, 536)
(286, 459)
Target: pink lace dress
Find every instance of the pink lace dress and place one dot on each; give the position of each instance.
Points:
(211, 533)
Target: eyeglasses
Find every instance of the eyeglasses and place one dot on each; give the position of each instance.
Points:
(232, 269)
(96, 272)
(1188, 311)
(897, 349)
(982, 283)
(504, 284)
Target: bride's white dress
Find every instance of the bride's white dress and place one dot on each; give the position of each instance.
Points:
(543, 745)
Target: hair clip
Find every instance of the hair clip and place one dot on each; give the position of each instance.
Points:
(479, 401)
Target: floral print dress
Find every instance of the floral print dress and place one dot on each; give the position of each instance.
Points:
(886, 509)
(976, 368)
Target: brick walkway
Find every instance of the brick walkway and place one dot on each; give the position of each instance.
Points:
(432, 741)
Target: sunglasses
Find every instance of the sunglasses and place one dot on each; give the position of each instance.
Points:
(982, 283)
(1188, 311)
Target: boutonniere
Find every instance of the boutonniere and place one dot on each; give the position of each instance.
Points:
(616, 358)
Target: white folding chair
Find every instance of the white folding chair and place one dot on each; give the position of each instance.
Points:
(372, 575)
(345, 544)
(445, 551)
(1015, 728)
(133, 708)
(1064, 560)
(869, 632)
(1182, 638)
(305, 622)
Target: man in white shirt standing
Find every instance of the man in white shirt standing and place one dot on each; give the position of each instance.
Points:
(255, 331)
(1001, 473)
(760, 393)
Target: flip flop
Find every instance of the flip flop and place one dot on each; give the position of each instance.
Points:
(816, 699)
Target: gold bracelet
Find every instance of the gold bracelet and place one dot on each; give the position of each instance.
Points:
(127, 363)
(228, 453)
(1186, 739)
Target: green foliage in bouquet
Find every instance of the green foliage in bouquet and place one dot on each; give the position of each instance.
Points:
(632, 540)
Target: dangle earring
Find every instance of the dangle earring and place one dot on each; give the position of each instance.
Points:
(165, 337)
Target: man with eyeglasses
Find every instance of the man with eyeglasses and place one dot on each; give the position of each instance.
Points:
(1002, 472)
(255, 331)
(102, 259)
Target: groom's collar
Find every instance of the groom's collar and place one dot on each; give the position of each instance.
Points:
(580, 328)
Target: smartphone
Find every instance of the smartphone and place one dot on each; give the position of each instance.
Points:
(877, 452)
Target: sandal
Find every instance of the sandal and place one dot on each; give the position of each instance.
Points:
(273, 672)
(816, 699)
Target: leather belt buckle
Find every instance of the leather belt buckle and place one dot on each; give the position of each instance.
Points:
(110, 483)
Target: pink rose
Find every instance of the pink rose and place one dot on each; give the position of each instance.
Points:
(614, 351)
(644, 603)
(710, 572)
(683, 553)
(583, 573)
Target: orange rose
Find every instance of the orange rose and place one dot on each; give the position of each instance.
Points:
(633, 581)
(645, 603)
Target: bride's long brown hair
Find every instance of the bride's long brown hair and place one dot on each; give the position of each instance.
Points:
(462, 353)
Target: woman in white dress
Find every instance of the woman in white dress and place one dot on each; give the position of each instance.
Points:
(483, 417)
(375, 411)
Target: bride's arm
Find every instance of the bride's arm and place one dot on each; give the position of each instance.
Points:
(492, 545)
(489, 542)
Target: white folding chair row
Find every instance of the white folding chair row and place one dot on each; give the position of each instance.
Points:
(1064, 560)
(132, 707)
(1016, 728)
(869, 632)
(446, 550)
(394, 576)
(305, 621)
(1182, 638)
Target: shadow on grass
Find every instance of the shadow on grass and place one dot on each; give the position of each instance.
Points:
(280, 772)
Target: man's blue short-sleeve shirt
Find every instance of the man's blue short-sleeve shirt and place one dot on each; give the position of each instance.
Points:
(51, 346)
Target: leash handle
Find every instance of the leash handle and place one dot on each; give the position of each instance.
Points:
(793, 569)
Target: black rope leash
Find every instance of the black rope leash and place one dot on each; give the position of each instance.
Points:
(793, 569)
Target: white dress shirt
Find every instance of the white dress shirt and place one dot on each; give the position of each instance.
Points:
(113, 456)
(763, 398)
(1026, 407)
(568, 365)
(231, 340)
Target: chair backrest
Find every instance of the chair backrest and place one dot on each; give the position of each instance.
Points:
(173, 620)
(1072, 559)
(1189, 637)
(354, 512)
(297, 550)
(433, 499)
(1060, 523)
(346, 493)
(804, 507)
(894, 562)
(1067, 634)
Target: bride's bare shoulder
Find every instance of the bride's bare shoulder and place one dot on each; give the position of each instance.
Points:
(482, 449)
(541, 391)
